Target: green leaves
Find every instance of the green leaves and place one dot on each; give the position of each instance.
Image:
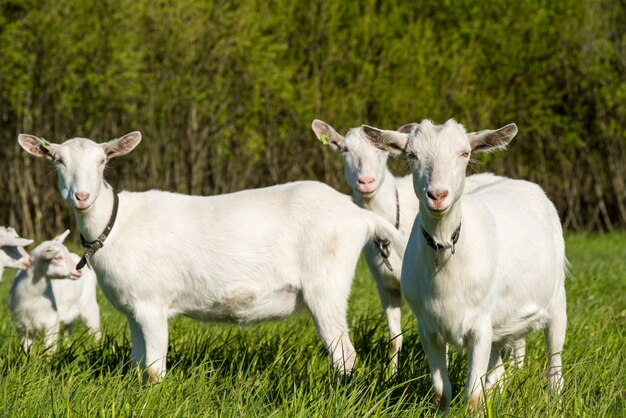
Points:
(226, 91)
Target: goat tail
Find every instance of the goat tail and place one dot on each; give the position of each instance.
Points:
(568, 269)
(382, 230)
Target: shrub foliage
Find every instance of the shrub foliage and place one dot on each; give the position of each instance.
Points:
(224, 92)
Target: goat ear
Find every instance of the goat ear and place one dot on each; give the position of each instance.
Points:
(491, 140)
(392, 141)
(38, 147)
(14, 242)
(326, 134)
(60, 238)
(123, 145)
(408, 128)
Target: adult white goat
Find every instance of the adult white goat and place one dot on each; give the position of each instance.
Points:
(50, 292)
(375, 188)
(12, 252)
(490, 282)
(242, 257)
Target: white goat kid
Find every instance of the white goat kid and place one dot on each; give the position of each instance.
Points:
(50, 292)
(12, 252)
(377, 189)
(241, 257)
(491, 282)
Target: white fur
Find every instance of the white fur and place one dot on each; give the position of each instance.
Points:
(50, 292)
(374, 188)
(12, 252)
(507, 274)
(241, 257)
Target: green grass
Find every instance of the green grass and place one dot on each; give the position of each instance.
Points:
(280, 368)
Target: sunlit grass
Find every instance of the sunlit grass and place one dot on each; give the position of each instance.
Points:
(280, 368)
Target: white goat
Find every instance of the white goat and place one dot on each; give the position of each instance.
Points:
(12, 252)
(490, 282)
(242, 257)
(375, 188)
(50, 292)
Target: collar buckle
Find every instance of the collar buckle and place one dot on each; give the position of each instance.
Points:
(440, 248)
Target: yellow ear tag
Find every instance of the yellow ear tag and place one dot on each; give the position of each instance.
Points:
(45, 144)
(324, 139)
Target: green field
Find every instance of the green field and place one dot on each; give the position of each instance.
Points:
(280, 369)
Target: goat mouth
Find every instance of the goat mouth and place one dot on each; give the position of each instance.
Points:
(367, 192)
(83, 209)
(438, 211)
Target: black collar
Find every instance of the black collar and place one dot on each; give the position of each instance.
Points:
(437, 247)
(382, 245)
(94, 246)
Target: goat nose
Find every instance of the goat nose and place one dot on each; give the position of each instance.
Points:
(365, 180)
(81, 196)
(437, 195)
(26, 261)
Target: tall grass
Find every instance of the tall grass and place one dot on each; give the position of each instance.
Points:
(280, 368)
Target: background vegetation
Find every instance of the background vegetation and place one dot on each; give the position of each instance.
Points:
(224, 91)
(224, 94)
(280, 369)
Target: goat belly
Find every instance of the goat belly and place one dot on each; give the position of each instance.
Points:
(530, 317)
(242, 305)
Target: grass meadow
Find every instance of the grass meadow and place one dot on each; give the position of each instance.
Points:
(280, 368)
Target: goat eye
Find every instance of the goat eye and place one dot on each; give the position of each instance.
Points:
(411, 156)
(465, 154)
(56, 158)
(103, 161)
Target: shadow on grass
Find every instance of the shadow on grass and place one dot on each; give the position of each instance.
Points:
(285, 360)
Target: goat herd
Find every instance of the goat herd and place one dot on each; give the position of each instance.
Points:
(480, 260)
